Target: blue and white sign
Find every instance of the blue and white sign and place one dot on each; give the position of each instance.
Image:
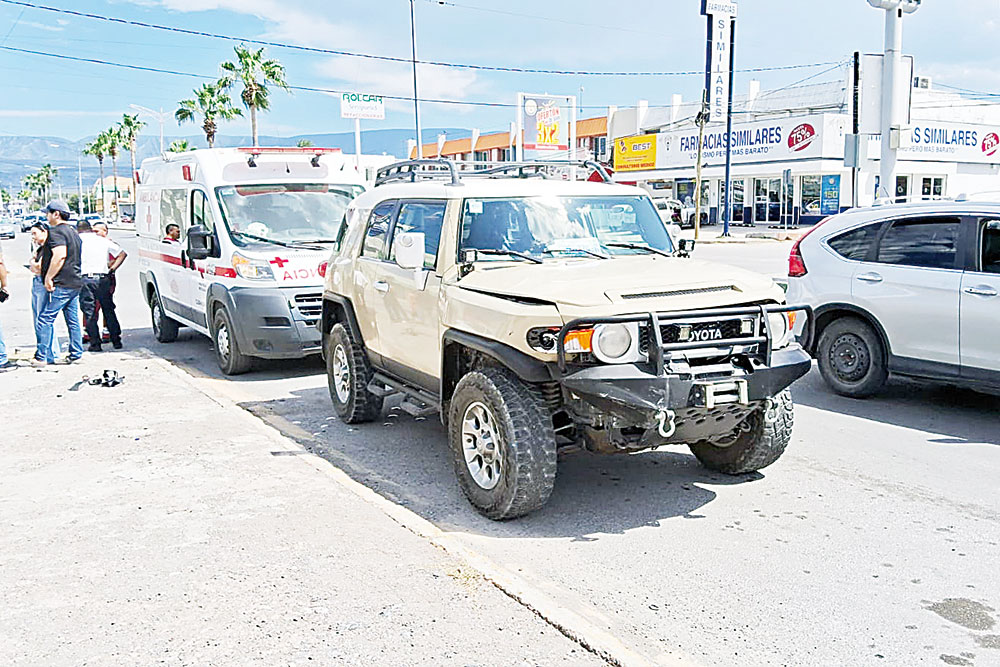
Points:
(720, 18)
(829, 195)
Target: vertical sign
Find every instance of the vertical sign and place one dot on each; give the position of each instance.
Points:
(829, 195)
(544, 122)
(720, 16)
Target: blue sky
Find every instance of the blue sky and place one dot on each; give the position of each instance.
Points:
(954, 42)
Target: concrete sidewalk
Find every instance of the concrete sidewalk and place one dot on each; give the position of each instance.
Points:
(150, 523)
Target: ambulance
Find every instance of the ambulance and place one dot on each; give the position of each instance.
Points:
(233, 244)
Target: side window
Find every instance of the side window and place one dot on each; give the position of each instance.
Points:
(201, 211)
(378, 230)
(854, 244)
(173, 204)
(989, 261)
(425, 217)
(925, 242)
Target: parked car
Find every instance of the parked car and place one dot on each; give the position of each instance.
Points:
(541, 316)
(907, 289)
(8, 230)
(31, 218)
(679, 213)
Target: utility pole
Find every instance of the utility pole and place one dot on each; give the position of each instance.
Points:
(892, 92)
(79, 185)
(416, 96)
(701, 119)
(160, 117)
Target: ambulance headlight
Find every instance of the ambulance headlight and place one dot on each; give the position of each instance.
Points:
(252, 269)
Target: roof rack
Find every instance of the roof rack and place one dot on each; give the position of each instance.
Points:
(424, 169)
(909, 199)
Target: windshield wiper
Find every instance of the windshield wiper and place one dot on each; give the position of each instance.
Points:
(267, 240)
(598, 255)
(512, 253)
(315, 241)
(639, 246)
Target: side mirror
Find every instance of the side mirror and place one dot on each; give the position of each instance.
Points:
(685, 247)
(198, 242)
(409, 250)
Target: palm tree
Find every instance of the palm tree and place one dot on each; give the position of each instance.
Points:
(179, 146)
(113, 138)
(129, 130)
(255, 73)
(46, 176)
(304, 143)
(211, 102)
(98, 148)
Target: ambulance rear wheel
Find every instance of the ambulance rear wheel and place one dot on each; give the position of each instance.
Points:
(164, 328)
(227, 349)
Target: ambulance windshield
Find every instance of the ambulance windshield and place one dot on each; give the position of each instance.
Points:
(286, 212)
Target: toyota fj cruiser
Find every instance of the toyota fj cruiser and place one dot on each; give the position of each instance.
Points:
(540, 316)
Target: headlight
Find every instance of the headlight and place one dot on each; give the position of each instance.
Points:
(780, 329)
(252, 269)
(613, 341)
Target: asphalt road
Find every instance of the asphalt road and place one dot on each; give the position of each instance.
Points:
(874, 540)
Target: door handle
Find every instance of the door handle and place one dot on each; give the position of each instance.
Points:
(870, 277)
(980, 291)
(381, 286)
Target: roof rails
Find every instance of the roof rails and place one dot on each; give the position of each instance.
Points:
(909, 199)
(436, 168)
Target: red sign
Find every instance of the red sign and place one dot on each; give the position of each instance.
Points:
(990, 143)
(801, 137)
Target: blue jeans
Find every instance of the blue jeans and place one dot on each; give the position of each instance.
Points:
(40, 299)
(3, 349)
(67, 302)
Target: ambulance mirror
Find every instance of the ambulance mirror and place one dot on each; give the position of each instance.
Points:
(198, 239)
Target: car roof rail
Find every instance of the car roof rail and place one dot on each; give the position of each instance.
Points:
(911, 199)
(439, 168)
(982, 195)
(412, 170)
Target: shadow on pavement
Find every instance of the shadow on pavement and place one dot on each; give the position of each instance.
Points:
(409, 462)
(958, 415)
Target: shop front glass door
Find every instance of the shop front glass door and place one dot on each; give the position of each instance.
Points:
(736, 202)
(767, 200)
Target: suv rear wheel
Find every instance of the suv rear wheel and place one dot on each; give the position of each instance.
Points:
(502, 442)
(348, 374)
(757, 442)
(852, 358)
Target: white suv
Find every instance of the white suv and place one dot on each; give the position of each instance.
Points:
(910, 289)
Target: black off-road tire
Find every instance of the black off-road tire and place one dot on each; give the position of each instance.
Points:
(359, 405)
(851, 358)
(527, 443)
(164, 328)
(230, 358)
(760, 441)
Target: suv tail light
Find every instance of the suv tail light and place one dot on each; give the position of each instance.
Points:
(796, 265)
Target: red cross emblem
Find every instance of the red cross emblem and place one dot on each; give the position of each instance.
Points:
(279, 262)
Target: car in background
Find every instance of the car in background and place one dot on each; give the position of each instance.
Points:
(8, 229)
(673, 211)
(31, 218)
(907, 289)
(93, 218)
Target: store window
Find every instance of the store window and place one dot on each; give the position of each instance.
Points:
(600, 146)
(902, 188)
(482, 156)
(931, 187)
(811, 195)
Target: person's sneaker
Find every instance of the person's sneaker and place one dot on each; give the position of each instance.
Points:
(117, 344)
(66, 361)
(7, 366)
(94, 348)
(38, 363)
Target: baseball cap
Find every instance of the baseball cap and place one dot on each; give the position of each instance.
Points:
(56, 206)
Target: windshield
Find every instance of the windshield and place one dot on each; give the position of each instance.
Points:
(286, 212)
(560, 226)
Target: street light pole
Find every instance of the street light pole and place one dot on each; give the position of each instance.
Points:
(416, 96)
(892, 63)
(158, 115)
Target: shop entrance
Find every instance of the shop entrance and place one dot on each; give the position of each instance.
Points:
(766, 200)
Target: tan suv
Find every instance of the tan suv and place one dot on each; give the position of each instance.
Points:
(539, 316)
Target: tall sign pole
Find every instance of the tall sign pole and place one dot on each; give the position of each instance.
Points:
(416, 96)
(719, 81)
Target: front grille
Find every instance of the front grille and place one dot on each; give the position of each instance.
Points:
(310, 306)
(682, 292)
(671, 333)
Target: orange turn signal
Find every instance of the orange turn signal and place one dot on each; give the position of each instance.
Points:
(579, 341)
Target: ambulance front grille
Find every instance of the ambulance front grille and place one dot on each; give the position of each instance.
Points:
(310, 306)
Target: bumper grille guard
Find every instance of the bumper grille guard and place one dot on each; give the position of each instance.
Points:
(658, 349)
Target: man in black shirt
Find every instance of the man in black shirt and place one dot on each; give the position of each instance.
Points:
(62, 279)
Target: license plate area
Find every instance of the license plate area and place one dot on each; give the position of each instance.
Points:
(720, 392)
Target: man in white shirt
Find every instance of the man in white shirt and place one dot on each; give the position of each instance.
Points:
(99, 257)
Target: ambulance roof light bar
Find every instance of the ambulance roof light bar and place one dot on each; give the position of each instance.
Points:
(255, 151)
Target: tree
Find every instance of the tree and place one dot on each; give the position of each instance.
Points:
(179, 146)
(114, 142)
(304, 143)
(129, 130)
(210, 102)
(46, 176)
(98, 149)
(254, 72)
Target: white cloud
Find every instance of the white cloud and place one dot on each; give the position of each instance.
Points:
(42, 26)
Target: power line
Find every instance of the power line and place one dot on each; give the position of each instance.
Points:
(370, 56)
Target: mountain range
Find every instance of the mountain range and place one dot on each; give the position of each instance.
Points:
(22, 155)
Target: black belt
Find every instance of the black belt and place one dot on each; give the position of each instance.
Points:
(95, 276)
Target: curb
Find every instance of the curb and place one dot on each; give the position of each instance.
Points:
(572, 625)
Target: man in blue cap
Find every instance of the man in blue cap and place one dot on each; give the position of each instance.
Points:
(61, 276)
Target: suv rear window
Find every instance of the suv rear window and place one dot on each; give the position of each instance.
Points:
(854, 244)
(924, 242)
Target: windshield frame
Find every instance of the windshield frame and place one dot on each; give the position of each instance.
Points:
(612, 253)
(243, 242)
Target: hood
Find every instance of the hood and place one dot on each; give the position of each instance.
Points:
(626, 284)
(292, 267)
